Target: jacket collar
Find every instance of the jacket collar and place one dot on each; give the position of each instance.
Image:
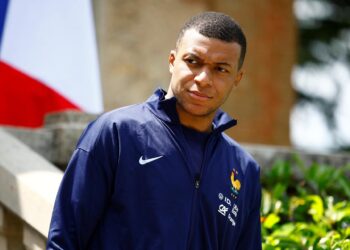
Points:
(165, 109)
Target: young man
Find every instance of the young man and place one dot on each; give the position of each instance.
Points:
(162, 174)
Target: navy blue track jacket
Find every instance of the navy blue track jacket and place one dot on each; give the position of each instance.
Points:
(131, 184)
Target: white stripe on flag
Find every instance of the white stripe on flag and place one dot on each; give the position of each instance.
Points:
(54, 42)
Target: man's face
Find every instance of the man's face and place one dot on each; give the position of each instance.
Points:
(204, 71)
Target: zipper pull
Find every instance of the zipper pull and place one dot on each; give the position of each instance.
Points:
(196, 184)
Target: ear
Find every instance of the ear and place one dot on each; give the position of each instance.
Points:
(238, 77)
(172, 56)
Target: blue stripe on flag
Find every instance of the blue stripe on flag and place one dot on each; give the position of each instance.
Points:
(3, 10)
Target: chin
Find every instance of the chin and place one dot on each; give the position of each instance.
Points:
(198, 111)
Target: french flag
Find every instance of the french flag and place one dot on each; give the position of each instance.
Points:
(48, 60)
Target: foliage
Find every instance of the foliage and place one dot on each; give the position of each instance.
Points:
(305, 207)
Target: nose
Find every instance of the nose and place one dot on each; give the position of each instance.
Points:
(203, 77)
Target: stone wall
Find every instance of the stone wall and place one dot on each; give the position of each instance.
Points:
(57, 140)
(28, 187)
(15, 234)
(135, 38)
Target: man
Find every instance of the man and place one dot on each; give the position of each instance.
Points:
(162, 174)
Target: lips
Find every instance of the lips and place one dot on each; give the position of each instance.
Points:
(199, 95)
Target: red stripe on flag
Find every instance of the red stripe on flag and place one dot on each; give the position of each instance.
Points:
(24, 101)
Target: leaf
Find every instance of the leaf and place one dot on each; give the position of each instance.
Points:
(347, 232)
(313, 213)
(329, 239)
(298, 208)
(266, 246)
(266, 202)
(279, 191)
(316, 209)
(345, 184)
(271, 220)
(284, 230)
(344, 244)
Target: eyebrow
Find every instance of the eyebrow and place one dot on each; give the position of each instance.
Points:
(197, 57)
(190, 54)
(224, 64)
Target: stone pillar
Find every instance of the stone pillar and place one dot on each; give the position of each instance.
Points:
(11, 230)
(16, 235)
(32, 240)
(263, 100)
(3, 240)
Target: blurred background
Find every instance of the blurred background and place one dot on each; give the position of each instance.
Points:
(64, 62)
(101, 55)
(321, 76)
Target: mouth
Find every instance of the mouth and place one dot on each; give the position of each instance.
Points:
(199, 95)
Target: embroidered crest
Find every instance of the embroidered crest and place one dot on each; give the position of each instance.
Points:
(236, 184)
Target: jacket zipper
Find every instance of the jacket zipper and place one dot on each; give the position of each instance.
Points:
(197, 185)
(197, 182)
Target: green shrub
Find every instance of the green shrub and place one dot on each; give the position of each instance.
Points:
(305, 207)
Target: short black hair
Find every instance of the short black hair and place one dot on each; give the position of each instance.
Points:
(217, 25)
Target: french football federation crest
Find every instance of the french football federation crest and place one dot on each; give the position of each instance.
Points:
(236, 184)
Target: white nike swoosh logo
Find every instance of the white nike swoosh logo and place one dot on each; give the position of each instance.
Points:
(145, 161)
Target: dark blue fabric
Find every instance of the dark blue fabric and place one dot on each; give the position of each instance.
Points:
(196, 141)
(3, 11)
(112, 197)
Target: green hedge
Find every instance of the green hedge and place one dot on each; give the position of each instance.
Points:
(305, 207)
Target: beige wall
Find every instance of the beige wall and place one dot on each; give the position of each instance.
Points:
(135, 38)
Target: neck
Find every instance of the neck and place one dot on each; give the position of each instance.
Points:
(199, 123)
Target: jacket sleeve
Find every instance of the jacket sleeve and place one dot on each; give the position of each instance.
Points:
(251, 234)
(85, 190)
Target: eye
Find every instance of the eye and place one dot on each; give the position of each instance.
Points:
(191, 61)
(222, 69)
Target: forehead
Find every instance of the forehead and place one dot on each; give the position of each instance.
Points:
(210, 49)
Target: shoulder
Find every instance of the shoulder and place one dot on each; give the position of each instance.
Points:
(127, 114)
(105, 130)
(247, 162)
